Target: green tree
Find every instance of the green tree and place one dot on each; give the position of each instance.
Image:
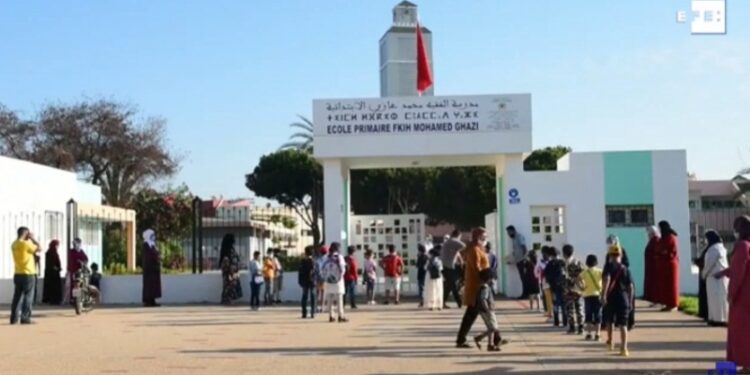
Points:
(105, 142)
(295, 179)
(169, 214)
(545, 159)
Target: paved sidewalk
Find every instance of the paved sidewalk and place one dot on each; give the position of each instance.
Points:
(378, 340)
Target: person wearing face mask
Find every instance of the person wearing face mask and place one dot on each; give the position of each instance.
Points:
(76, 259)
(151, 269)
(475, 261)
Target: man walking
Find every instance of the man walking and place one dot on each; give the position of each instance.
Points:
(24, 249)
(518, 257)
(475, 262)
(451, 257)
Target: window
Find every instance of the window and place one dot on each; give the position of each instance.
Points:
(630, 216)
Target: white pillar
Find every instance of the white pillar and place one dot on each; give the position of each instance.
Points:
(500, 236)
(336, 201)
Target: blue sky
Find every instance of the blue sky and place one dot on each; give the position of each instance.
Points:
(229, 76)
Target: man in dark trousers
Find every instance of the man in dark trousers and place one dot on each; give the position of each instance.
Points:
(518, 257)
(451, 258)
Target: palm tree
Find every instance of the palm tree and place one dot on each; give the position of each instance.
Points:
(301, 140)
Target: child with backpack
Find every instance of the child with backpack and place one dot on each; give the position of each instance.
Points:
(554, 273)
(539, 270)
(434, 281)
(618, 294)
(592, 279)
(370, 276)
(486, 307)
(333, 276)
(573, 290)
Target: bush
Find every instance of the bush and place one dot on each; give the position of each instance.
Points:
(689, 305)
(291, 263)
(113, 243)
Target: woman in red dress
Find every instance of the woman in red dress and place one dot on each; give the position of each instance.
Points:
(738, 333)
(668, 267)
(650, 285)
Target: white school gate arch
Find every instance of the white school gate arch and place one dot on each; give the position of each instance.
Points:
(408, 132)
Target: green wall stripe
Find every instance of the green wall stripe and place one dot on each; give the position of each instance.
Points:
(628, 178)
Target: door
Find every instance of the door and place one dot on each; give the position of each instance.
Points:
(548, 227)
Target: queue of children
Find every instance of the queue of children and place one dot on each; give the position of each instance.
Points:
(584, 298)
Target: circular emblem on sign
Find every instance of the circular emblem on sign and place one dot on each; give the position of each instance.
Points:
(513, 193)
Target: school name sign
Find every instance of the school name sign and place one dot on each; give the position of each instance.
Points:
(426, 122)
(422, 115)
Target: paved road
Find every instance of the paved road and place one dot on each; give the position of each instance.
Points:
(378, 340)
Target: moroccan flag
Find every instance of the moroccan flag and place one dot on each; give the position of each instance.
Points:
(424, 77)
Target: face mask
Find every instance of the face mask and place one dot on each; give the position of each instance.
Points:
(483, 243)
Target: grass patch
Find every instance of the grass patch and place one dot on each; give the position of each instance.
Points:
(689, 305)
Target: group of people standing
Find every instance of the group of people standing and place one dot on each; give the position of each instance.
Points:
(26, 258)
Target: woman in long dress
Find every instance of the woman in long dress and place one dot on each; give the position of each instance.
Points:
(738, 340)
(716, 288)
(434, 283)
(649, 264)
(52, 292)
(669, 268)
(151, 266)
(230, 270)
(700, 262)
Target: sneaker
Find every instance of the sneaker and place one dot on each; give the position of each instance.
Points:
(463, 345)
(343, 320)
(331, 319)
(624, 352)
(491, 348)
(478, 343)
(596, 338)
(610, 346)
(588, 337)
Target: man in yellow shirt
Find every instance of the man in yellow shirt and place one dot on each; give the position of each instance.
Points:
(24, 248)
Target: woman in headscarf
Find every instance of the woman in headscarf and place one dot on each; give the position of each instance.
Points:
(649, 264)
(738, 333)
(700, 262)
(52, 292)
(715, 257)
(668, 256)
(151, 265)
(613, 248)
(230, 270)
